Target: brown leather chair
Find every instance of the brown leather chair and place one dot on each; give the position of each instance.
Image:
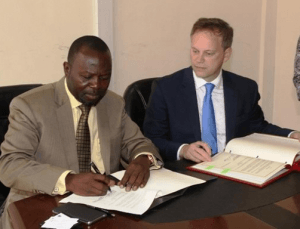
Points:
(136, 98)
(7, 93)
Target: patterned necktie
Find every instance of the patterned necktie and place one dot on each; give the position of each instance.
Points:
(83, 140)
(209, 132)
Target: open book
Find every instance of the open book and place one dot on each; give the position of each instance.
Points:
(257, 159)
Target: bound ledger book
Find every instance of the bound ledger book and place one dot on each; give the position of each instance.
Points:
(257, 159)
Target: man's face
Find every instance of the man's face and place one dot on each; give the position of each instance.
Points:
(89, 75)
(207, 54)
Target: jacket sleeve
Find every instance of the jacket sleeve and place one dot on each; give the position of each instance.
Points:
(156, 125)
(19, 164)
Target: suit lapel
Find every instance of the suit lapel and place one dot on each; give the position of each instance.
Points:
(66, 125)
(230, 99)
(104, 134)
(190, 102)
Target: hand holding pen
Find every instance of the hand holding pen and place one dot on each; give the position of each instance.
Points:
(198, 151)
(88, 184)
(98, 172)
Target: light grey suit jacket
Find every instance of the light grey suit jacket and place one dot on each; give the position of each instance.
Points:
(40, 142)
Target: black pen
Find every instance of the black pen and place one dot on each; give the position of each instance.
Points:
(98, 172)
(201, 147)
(106, 211)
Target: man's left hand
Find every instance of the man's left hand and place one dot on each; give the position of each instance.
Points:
(137, 174)
(295, 135)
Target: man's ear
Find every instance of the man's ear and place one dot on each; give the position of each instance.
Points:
(227, 54)
(67, 68)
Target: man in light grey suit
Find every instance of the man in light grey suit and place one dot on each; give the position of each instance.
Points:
(39, 152)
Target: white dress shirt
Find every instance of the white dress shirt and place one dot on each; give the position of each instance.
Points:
(219, 107)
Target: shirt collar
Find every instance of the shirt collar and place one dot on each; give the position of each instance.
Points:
(74, 102)
(199, 82)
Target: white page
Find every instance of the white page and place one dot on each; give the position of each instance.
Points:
(162, 181)
(135, 202)
(263, 146)
(243, 164)
(60, 221)
(241, 167)
(166, 181)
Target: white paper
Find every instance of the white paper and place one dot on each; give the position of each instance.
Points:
(166, 181)
(135, 202)
(264, 146)
(241, 167)
(244, 165)
(161, 182)
(60, 221)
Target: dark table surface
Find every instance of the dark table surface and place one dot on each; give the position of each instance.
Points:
(218, 203)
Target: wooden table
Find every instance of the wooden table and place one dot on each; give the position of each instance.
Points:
(216, 204)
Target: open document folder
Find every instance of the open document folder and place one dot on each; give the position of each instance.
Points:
(161, 182)
(257, 159)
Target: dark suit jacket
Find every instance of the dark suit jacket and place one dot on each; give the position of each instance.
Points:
(40, 142)
(172, 116)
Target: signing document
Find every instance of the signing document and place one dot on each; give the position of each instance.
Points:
(255, 159)
(161, 182)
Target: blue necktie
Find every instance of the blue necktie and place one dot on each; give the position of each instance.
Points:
(209, 132)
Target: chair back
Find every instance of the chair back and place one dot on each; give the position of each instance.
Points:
(7, 93)
(136, 98)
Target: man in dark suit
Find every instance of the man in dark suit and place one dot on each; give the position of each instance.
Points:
(45, 149)
(175, 115)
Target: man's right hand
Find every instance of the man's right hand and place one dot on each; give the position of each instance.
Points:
(88, 184)
(197, 151)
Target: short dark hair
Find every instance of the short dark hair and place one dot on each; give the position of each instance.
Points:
(91, 42)
(218, 27)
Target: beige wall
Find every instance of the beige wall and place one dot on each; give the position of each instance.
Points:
(286, 106)
(35, 37)
(151, 38)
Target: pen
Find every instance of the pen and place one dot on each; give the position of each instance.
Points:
(98, 172)
(106, 211)
(201, 147)
(95, 168)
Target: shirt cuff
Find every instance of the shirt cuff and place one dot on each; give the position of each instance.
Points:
(178, 151)
(60, 186)
(292, 133)
(156, 164)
